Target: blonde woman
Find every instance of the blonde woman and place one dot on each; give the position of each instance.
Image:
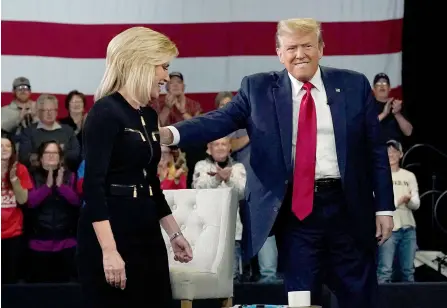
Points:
(122, 258)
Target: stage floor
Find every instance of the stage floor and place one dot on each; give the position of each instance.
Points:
(397, 295)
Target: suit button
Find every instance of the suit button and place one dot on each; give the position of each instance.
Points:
(286, 182)
(275, 209)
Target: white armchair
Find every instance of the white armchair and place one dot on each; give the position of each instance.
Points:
(207, 218)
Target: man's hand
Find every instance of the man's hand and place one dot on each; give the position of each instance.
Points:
(388, 106)
(384, 228)
(170, 100)
(397, 106)
(166, 137)
(223, 174)
(180, 104)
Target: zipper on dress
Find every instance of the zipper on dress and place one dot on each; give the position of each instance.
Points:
(135, 131)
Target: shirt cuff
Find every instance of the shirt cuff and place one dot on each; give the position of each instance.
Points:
(384, 213)
(175, 135)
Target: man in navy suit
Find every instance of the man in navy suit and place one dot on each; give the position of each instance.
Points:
(319, 176)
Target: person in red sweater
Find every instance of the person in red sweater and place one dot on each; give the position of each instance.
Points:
(15, 184)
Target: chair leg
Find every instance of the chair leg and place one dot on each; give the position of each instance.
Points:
(227, 302)
(186, 303)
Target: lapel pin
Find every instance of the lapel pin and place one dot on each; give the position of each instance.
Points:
(337, 90)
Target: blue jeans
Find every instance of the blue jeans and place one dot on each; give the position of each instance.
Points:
(268, 260)
(402, 244)
(237, 259)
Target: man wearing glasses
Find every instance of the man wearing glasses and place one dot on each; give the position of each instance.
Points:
(394, 124)
(21, 112)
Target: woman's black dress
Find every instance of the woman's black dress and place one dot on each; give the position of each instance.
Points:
(121, 185)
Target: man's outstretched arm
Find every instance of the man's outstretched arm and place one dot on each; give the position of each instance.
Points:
(212, 125)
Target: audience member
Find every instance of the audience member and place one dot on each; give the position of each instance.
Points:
(402, 243)
(175, 106)
(54, 212)
(75, 103)
(220, 170)
(15, 184)
(392, 117)
(46, 129)
(172, 172)
(21, 112)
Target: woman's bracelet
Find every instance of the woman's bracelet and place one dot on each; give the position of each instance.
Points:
(175, 235)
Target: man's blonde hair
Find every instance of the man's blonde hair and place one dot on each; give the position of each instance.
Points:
(300, 25)
(131, 59)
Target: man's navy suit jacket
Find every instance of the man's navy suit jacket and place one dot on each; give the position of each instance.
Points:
(263, 106)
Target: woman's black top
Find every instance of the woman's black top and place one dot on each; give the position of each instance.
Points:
(122, 149)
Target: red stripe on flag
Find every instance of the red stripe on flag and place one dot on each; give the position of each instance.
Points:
(206, 100)
(196, 40)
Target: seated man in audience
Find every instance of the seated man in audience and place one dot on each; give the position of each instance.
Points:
(402, 243)
(46, 129)
(220, 170)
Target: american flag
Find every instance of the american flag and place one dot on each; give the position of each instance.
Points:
(60, 45)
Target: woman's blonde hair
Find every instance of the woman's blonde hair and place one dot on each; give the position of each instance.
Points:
(303, 25)
(131, 59)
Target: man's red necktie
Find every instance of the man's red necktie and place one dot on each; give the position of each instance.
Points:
(305, 156)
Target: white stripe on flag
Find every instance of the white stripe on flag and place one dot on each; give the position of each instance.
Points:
(202, 75)
(198, 11)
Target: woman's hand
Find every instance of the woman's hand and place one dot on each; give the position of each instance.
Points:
(50, 179)
(60, 177)
(162, 171)
(114, 269)
(13, 173)
(182, 250)
(178, 173)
